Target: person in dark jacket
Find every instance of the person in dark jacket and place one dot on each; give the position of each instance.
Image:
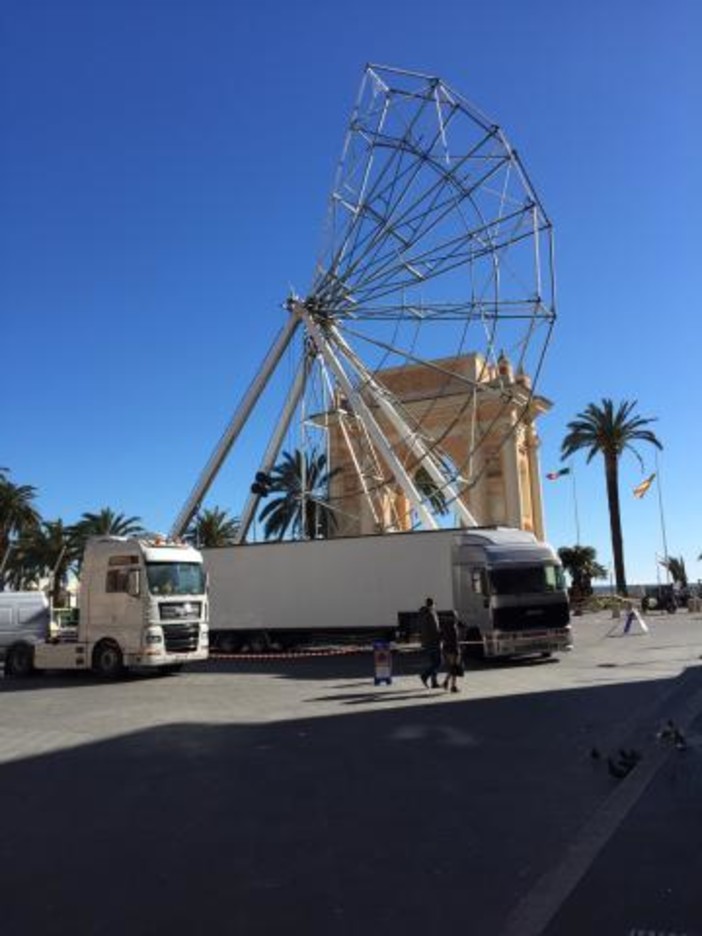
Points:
(451, 651)
(430, 638)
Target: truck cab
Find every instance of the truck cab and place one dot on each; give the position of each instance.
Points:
(142, 603)
(511, 592)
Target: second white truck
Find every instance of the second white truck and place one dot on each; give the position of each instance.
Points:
(506, 588)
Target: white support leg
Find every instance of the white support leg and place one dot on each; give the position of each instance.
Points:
(271, 453)
(235, 426)
(407, 434)
(362, 408)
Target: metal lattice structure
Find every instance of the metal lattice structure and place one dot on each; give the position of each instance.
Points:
(436, 246)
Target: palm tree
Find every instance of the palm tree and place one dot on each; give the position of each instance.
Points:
(18, 515)
(302, 509)
(580, 562)
(428, 488)
(105, 523)
(676, 568)
(610, 431)
(48, 550)
(212, 528)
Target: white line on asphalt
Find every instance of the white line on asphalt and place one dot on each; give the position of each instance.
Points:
(535, 911)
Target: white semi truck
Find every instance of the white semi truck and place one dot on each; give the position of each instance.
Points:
(506, 588)
(142, 603)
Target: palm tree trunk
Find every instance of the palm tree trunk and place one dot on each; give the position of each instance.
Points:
(615, 521)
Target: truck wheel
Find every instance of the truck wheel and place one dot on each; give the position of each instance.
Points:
(475, 649)
(228, 643)
(107, 660)
(259, 642)
(19, 661)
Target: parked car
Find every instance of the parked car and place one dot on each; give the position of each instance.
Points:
(662, 598)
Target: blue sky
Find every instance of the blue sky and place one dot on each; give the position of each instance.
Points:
(164, 176)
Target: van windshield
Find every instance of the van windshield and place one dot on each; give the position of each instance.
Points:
(175, 578)
(527, 579)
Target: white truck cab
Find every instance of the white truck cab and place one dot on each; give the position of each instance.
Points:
(142, 603)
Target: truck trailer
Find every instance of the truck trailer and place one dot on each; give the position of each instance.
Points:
(142, 603)
(506, 589)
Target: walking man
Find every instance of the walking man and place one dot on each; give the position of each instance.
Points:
(431, 643)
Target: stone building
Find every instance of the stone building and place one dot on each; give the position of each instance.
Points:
(482, 419)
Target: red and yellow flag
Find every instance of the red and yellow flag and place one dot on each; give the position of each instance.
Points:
(641, 489)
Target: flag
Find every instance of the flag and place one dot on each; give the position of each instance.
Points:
(554, 475)
(641, 489)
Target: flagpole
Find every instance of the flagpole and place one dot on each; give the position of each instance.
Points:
(660, 510)
(575, 508)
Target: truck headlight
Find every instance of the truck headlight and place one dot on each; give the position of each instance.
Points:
(153, 637)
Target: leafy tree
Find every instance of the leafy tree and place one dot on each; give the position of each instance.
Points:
(580, 562)
(609, 431)
(302, 507)
(211, 528)
(18, 515)
(676, 568)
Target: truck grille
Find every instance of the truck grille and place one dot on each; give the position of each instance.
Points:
(535, 618)
(180, 610)
(181, 638)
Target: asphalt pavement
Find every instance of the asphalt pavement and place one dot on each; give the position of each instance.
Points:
(296, 796)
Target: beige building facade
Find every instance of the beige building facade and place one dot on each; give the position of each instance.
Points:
(479, 417)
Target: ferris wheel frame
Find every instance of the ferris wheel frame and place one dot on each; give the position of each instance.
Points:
(407, 211)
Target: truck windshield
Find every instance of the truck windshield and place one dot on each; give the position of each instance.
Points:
(175, 578)
(520, 580)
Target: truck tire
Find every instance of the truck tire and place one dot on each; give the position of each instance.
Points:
(107, 660)
(19, 660)
(474, 649)
(228, 643)
(259, 642)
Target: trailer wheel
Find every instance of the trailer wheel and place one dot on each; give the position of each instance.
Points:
(259, 642)
(107, 660)
(228, 643)
(19, 660)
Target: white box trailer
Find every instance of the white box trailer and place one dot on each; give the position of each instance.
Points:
(505, 587)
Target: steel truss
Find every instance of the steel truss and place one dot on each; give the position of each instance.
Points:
(436, 247)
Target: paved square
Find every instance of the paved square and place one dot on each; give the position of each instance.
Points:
(296, 796)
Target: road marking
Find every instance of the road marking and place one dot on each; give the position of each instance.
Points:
(534, 912)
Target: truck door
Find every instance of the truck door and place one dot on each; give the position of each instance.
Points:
(473, 595)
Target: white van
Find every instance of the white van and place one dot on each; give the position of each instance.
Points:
(24, 619)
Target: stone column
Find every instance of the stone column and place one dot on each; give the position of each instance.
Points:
(532, 447)
(510, 476)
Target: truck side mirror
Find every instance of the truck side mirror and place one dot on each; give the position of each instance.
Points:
(134, 586)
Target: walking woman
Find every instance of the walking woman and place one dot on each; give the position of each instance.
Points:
(430, 637)
(450, 650)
